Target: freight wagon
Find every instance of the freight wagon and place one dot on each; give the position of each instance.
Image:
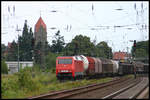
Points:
(146, 68)
(125, 68)
(139, 67)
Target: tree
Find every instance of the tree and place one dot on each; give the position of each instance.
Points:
(3, 50)
(51, 60)
(37, 53)
(12, 52)
(4, 68)
(25, 44)
(58, 43)
(142, 49)
(47, 48)
(104, 50)
(80, 45)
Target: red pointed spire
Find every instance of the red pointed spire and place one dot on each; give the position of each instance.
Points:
(39, 23)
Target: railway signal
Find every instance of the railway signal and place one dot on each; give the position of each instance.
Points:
(33, 42)
(134, 47)
(134, 44)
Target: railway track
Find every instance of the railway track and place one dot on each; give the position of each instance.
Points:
(134, 91)
(102, 92)
(80, 90)
(124, 88)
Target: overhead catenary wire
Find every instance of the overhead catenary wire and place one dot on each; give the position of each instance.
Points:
(140, 13)
(82, 25)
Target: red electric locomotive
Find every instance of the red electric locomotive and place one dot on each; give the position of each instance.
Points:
(69, 67)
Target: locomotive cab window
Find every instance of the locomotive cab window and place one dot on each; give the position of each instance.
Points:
(65, 61)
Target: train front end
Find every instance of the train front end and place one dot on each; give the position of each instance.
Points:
(64, 68)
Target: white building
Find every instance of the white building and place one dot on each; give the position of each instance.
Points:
(13, 65)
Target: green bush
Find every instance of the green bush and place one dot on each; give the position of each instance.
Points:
(4, 68)
(9, 83)
(25, 79)
(51, 60)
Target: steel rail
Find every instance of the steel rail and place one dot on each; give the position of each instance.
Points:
(74, 91)
(136, 95)
(110, 96)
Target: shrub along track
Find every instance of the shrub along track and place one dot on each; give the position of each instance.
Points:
(78, 92)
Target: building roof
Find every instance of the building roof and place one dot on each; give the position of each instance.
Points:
(119, 55)
(39, 23)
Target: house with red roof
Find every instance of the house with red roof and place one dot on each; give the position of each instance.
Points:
(121, 56)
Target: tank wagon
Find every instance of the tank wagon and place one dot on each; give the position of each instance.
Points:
(75, 67)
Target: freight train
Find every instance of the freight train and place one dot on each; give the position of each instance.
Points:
(78, 67)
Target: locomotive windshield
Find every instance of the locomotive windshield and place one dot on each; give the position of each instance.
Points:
(64, 61)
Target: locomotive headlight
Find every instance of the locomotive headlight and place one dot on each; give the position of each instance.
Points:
(66, 70)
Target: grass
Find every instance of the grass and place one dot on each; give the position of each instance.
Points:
(44, 83)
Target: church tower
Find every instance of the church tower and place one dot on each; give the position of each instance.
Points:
(40, 31)
(40, 36)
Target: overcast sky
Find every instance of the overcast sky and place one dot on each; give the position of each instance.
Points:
(96, 20)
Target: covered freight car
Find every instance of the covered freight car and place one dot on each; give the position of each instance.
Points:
(125, 68)
(146, 68)
(91, 67)
(98, 66)
(107, 67)
(139, 67)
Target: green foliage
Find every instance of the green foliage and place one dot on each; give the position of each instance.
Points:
(12, 86)
(142, 49)
(47, 48)
(103, 50)
(25, 79)
(12, 52)
(4, 68)
(3, 49)
(57, 43)
(80, 45)
(36, 67)
(51, 60)
(37, 53)
(25, 44)
(9, 84)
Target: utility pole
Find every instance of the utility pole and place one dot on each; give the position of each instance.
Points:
(18, 46)
(18, 52)
(127, 54)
